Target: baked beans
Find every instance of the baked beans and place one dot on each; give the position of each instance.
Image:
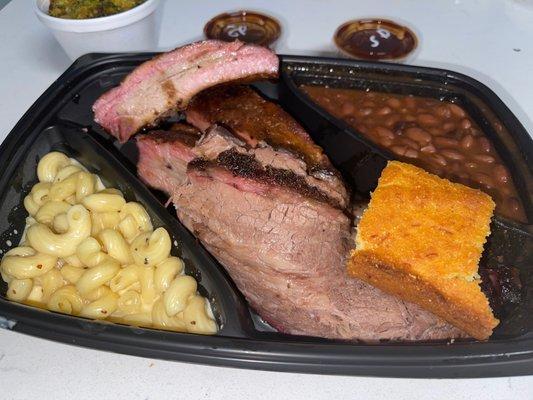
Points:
(436, 135)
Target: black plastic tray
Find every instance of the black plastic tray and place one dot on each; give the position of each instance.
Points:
(62, 119)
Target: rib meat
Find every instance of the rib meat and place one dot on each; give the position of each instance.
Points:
(168, 82)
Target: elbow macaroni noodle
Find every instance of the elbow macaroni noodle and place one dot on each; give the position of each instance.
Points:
(88, 252)
(43, 239)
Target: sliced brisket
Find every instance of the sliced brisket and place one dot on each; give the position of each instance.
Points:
(256, 121)
(168, 151)
(283, 243)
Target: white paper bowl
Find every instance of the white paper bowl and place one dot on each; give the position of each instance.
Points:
(132, 30)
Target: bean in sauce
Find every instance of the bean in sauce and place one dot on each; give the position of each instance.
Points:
(435, 135)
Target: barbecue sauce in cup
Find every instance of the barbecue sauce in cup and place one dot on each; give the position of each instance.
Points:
(246, 26)
(375, 39)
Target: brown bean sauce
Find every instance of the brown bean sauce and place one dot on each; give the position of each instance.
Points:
(435, 135)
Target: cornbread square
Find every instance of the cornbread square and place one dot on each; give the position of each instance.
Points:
(421, 239)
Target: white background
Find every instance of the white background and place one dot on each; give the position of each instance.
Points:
(488, 40)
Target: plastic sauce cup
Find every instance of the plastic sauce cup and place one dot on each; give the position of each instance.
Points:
(376, 39)
(247, 26)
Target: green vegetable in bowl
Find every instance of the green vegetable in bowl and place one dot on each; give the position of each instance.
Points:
(83, 9)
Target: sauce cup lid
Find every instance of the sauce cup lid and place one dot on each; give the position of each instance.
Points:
(375, 39)
(247, 26)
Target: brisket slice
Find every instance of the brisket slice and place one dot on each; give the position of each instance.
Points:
(164, 156)
(168, 82)
(281, 165)
(284, 246)
(256, 120)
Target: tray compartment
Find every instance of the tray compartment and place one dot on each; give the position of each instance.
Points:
(509, 137)
(361, 161)
(228, 306)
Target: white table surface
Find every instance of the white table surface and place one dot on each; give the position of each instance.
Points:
(489, 40)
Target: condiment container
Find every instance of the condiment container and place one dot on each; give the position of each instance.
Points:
(376, 39)
(132, 30)
(246, 26)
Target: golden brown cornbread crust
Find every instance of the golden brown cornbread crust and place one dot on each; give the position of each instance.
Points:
(421, 239)
(464, 315)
